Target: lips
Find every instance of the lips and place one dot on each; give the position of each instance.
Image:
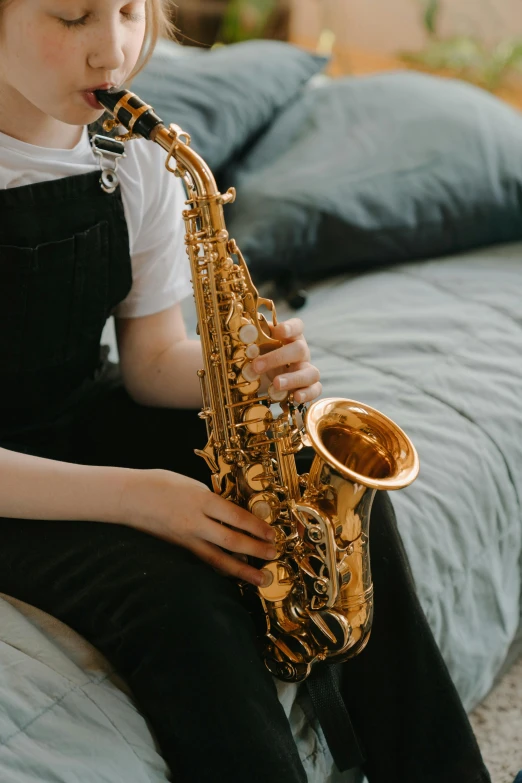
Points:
(104, 86)
(90, 97)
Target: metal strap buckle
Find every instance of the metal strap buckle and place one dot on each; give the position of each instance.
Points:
(109, 151)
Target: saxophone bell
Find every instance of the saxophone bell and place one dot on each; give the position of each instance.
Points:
(361, 444)
(358, 450)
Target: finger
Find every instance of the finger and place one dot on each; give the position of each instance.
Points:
(217, 508)
(228, 564)
(293, 367)
(297, 351)
(239, 556)
(288, 330)
(243, 558)
(235, 541)
(302, 378)
(309, 394)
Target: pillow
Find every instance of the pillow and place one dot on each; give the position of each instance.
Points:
(225, 96)
(365, 171)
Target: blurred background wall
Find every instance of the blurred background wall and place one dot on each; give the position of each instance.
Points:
(384, 26)
(391, 25)
(478, 40)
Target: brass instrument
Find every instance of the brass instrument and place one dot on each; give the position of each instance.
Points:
(319, 605)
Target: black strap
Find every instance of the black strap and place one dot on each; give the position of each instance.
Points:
(289, 287)
(323, 687)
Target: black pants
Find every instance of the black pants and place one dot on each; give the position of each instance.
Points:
(181, 637)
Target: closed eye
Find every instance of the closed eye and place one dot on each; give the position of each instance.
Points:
(74, 22)
(82, 20)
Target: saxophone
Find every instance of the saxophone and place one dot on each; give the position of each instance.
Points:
(319, 605)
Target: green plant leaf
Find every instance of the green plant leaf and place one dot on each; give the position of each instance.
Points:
(431, 15)
(245, 19)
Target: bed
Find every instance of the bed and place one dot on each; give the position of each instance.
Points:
(408, 244)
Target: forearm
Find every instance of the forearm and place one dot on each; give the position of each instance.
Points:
(38, 488)
(171, 380)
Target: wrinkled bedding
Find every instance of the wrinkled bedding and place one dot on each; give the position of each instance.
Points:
(437, 346)
(66, 715)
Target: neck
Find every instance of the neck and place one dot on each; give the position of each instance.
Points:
(23, 121)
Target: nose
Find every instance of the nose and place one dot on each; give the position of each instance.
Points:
(107, 51)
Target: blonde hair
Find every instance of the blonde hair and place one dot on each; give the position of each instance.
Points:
(159, 25)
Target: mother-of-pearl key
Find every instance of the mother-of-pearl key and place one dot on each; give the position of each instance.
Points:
(252, 351)
(248, 373)
(248, 334)
(277, 395)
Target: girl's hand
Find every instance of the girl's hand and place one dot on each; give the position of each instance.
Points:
(289, 367)
(185, 512)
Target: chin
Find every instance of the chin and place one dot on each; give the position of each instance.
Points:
(80, 115)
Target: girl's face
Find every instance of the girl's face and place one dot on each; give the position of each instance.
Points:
(54, 53)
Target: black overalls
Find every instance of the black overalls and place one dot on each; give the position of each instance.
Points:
(175, 630)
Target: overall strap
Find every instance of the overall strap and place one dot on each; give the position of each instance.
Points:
(64, 266)
(109, 152)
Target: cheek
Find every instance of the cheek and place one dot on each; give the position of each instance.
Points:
(55, 54)
(135, 45)
(41, 50)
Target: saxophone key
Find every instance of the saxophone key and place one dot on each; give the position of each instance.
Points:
(265, 505)
(275, 395)
(239, 357)
(248, 334)
(281, 584)
(257, 418)
(257, 478)
(252, 351)
(246, 388)
(248, 373)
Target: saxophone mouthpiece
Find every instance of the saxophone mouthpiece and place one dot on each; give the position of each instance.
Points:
(109, 98)
(129, 110)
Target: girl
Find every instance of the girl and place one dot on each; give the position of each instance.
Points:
(107, 522)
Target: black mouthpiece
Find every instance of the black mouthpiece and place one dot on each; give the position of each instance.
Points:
(128, 114)
(109, 98)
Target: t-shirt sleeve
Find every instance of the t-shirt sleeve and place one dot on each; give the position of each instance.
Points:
(154, 200)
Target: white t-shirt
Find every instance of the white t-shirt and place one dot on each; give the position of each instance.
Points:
(153, 201)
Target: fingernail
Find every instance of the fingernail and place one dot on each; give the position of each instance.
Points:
(265, 578)
(271, 552)
(271, 535)
(259, 366)
(282, 382)
(299, 397)
(286, 330)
